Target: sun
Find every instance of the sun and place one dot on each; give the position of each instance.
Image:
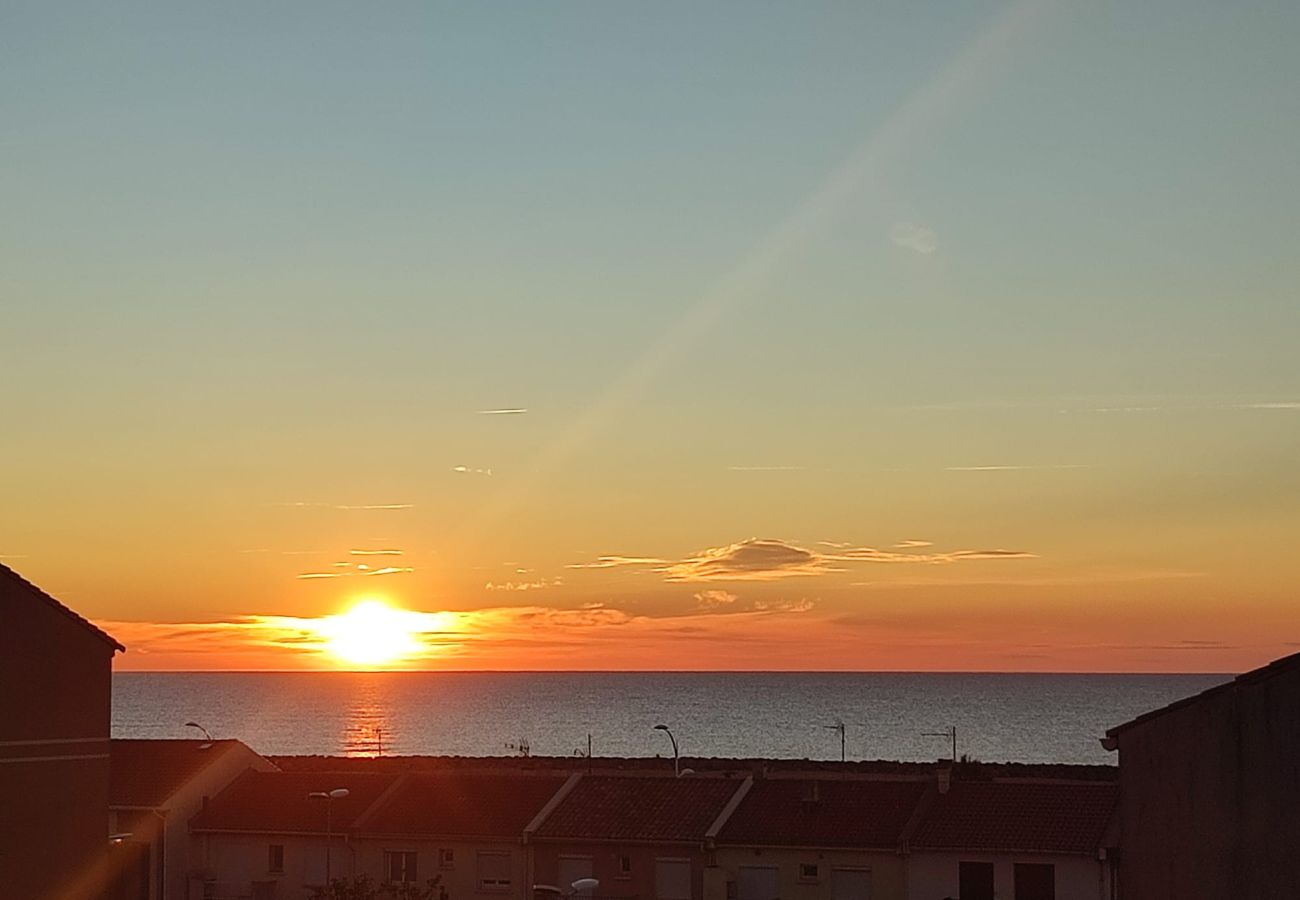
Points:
(372, 633)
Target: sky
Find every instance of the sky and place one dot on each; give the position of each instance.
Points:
(888, 336)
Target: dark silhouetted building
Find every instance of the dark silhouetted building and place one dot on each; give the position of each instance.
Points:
(1210, 792)
(55, 701)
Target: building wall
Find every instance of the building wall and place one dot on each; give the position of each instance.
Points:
(235, 861)
(605, 865)
(460, 879)
(1208, 794)
(933, 876)
(55, 677)
(888, 875)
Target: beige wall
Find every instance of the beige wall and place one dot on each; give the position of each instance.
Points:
(234, 861)
(888, 881)
(460, 878)
(933, 876)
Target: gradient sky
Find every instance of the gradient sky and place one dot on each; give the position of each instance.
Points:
(675, 335)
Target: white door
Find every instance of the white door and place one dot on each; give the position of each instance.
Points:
(571, 869)
(756, 883)
(850, 884)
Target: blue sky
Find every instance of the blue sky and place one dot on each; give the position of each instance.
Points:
(782, 271)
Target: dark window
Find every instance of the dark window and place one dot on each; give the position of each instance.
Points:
(1035, 881)
(975, 881)
(808, 871)
(446, 858)
(399, 866)
(275, 858)
(625, 866)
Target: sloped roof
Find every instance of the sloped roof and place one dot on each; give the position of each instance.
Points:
(1273, 669)
(629, 808)
(277, 802)
(1026, 816)
(14, 587)
(462, 804)
(146, 772)
(824, 813)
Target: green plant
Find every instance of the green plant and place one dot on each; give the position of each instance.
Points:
(363, 887)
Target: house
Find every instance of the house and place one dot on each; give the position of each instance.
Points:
(465, 828)
(640, 836)
(155, 787)
(1021, 838)
(1209, 791)
(823, 838)
(55, 668)
(276, 834)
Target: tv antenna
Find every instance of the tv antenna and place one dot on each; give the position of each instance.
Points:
(838, 726)
(950, 733)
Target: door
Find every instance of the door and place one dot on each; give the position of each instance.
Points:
(571, 869)
(1035, 881)
(756, 883)
(672, 879)
(850, 884)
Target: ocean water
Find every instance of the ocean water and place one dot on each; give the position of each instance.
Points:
(999, 717)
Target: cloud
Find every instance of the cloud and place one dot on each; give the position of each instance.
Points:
(311, 504)
(916, 238)
(466, 470)
(512, 411)
(358, 569)
(386, 570)
(769, 559)
(715, 599)
(322, 575)
(537, 585)
(380, 506)
(792, 606)
(609, 562)
(1017, 468)
(909, 544)
(375, 552)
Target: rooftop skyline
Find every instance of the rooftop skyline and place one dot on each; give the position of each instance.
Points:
(675, 337)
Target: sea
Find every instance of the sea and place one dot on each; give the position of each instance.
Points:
(896, 716)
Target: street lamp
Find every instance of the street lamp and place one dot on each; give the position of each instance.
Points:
(329, 797)
(582, 885)
(677, 766)
(207, 737)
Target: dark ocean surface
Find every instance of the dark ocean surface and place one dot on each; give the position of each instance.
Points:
(999, 717)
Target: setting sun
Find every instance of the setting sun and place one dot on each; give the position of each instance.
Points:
(372, 633)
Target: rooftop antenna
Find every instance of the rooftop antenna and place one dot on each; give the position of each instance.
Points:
(951, 733)
(207, 737)
(838, 726)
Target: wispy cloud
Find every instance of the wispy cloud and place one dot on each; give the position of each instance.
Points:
(467, 470)
(322, 575)
(375, 552)
(715, 599)
(346, 569)
(610, 562)
(519, 586)
(911, 545)
(380, 506)
(507, 411)
(1018, 468)
(914, 237)
(767, 559)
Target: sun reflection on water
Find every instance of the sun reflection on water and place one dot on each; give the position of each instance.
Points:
(367, 731)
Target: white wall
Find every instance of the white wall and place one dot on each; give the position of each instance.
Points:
(933, 876)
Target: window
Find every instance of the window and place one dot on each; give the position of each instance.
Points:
(399, 866)
(1035, 881)
(625, 866)
(275, 859)
(673, 879)
(975, 881)
(808, 871)
(446, 858)
(494, 871)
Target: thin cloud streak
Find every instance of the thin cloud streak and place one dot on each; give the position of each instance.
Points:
(514, 411)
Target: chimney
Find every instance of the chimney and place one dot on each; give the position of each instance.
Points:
(945, 775)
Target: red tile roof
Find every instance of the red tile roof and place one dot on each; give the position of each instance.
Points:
(13, 585)
(277, 802)
(824, 813)
(629, 808)
(462, 804)
(145, 773)
(1027, 816)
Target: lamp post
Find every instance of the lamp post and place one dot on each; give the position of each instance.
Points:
(329, 797)
(677, 766)
(207, 737)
